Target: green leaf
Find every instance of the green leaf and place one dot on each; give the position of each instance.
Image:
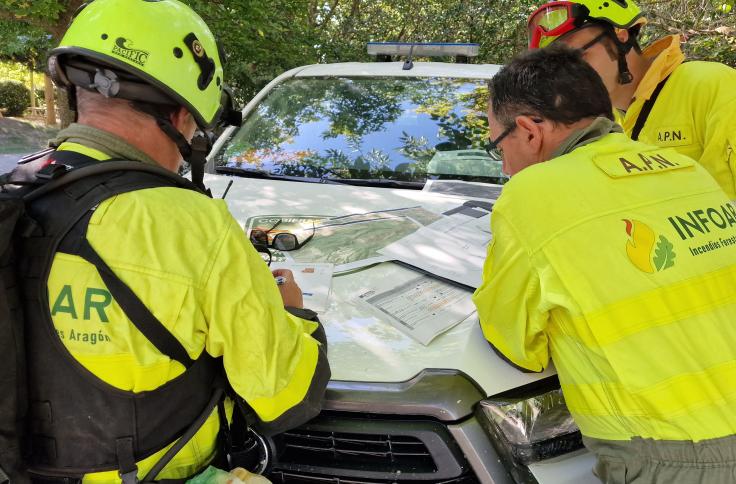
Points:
(664, 255)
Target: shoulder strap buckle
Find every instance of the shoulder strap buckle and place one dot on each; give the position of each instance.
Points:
(126, 460)
(129, 477)
(52, 172)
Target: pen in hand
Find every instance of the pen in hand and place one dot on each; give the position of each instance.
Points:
(290, 291)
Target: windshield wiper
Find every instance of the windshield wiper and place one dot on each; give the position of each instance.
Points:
(375, 182)
(263, 174)
(364, 182)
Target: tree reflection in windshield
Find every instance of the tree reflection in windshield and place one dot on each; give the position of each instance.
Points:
(388, 128)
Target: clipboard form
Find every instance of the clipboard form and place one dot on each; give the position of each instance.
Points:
(315, 281)
(422, 308)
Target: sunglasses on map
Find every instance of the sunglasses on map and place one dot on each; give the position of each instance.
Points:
(263, 240)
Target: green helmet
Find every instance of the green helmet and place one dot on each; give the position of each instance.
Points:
(156, 51)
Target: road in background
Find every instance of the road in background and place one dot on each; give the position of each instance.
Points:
(19, 137)
(7, 162)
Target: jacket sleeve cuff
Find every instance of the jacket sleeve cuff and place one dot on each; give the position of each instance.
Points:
(286, 411)
(507, 360)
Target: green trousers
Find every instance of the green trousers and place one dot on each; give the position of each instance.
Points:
(648, 461)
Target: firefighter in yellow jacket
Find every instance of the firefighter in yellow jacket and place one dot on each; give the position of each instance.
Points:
(145, 75)
(617, 260)
(661, 100)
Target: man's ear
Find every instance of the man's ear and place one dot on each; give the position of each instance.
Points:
(532, 131)
(180, 118)
(623, 35)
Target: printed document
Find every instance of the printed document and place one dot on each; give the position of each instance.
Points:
(422, 308)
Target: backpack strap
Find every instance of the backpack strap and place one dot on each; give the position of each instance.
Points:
(70, 172)
(76, 243)
(646, 109)
(68, 175)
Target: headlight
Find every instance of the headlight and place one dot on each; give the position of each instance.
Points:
(530, 429)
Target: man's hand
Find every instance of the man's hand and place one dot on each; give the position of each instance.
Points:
(290, 292)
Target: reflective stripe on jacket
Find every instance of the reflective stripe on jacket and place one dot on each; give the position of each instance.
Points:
(189, 261)
(695, 113)
(618, 260)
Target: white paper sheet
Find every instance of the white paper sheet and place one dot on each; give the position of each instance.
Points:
(315, 281)
(457, 255)
(423, 308)
(463, 189)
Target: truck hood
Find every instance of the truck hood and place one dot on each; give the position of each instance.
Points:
(362, 346)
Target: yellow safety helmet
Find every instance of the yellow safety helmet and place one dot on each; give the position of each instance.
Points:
(155, 51)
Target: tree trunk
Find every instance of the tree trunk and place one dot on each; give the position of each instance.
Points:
(48, 94)
(66, 115)
(33, 87)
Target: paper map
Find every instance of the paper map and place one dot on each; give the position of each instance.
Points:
(345, 240)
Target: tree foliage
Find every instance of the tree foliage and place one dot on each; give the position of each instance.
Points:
(14, 98)
(265, 41)
(49, 16)
(23, 43)
(708, 26)
(265, 38)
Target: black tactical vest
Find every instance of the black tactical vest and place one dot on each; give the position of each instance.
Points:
(78, 423)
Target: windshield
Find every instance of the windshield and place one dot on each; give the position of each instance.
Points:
(405, 129)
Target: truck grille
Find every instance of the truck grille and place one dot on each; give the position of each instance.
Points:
(279, 477)
(384, 453)
(348, 449)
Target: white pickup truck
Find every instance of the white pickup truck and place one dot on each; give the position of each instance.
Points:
(333, 140)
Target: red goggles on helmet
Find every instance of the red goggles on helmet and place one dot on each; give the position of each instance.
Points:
(554, 19)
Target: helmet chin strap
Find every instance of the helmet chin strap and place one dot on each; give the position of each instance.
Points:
(195, 153)
(622, 49)
(624, 75)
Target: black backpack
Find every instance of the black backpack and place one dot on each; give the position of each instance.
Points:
(14, 400)
(16, 222)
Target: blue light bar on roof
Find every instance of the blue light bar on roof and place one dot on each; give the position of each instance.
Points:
(420, 49)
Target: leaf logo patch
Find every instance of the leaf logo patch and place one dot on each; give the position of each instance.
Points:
(645, 250)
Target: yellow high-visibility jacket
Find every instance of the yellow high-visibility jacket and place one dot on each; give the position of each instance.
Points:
(695, 113)
(191, 264)
(618, 261)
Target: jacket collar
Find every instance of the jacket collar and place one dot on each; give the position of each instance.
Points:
(667, 57)
(599, 128)
(102, 141)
